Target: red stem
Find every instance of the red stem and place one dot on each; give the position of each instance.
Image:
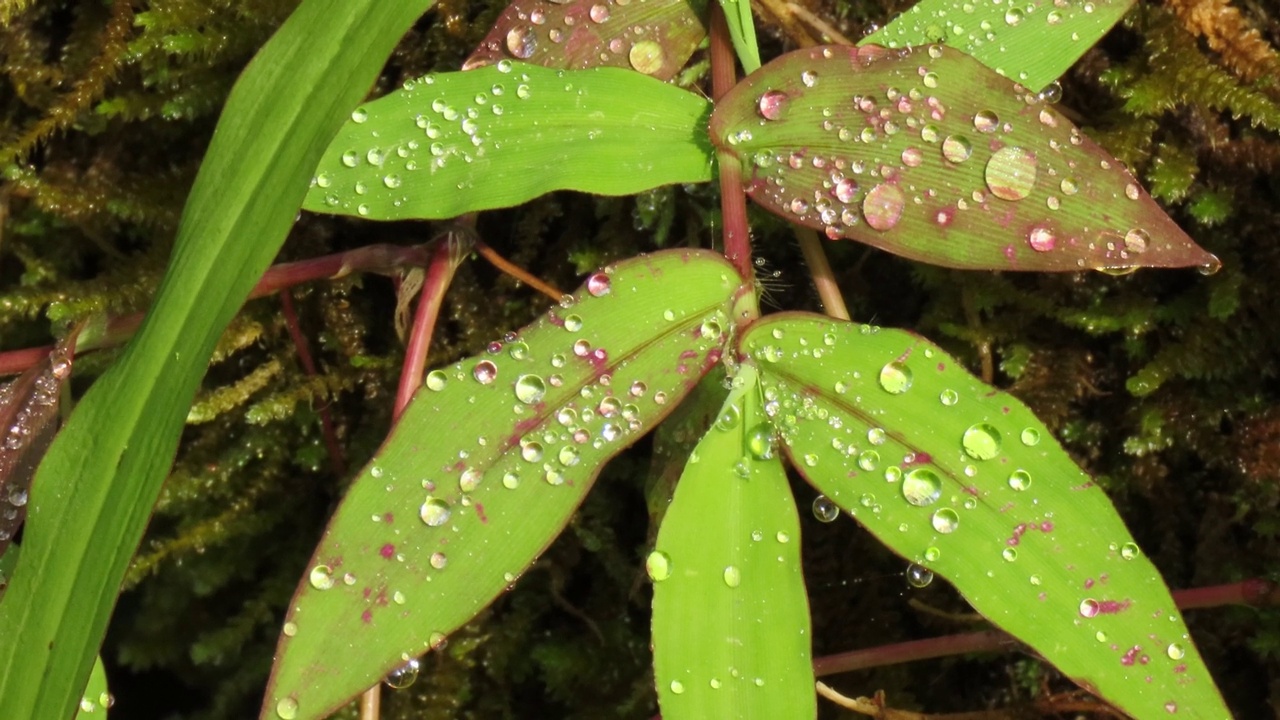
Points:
(337, 464)
(444, 262)
(733, 202)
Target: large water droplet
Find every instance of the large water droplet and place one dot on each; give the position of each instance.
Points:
(981, 441)
(883, 206)
(1136, 241)
(530, 389)
(658, 566)
(1020, 479)
(1011, 173)
(287, 708)
(1129, 551)
(956, 148)
(1175, 651)
(986, 121)
(598, 285)
(895, 378)
(1042, 239)
(921, 487)
(1089, 607)
(732, 576)
(439, 560)
(825, 510)
(403, 676)
(760, 441)
(729, 418)
(521, 42)
(485, 372)
(772, 104)
(945, 521)
(321, 577)
(436, 380)
(918, 577)
(435, 512)
(646, 57)
(677, 687)
(598, 13)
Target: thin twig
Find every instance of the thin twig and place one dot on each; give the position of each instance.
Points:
(820, 270)
(446, 258)
(733, 202)
(515, 271)
(337, 463)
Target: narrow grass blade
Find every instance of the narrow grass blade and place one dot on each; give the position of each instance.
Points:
(654, 37)
(928, 154)
(1032, 42)
(487, 465)
(964, 480)
(731, 632)
(93, 493)
(742, 32)
(509, 133)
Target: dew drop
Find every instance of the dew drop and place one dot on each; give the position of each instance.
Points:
(846, 190)
(1089, 608)
(658, 566)
(435, 512)
(598, 13)
(945, 521)
(1011, 173)
(1069, 186)
(1175, 651)
(321, 577)
(598, 285)
(922, 487)
(825, 510)
(568, 456)
(646, 57)
(956, 148)
(1030, 437)
(350, 158)
(1129, 551)
(677, 687)
(521, 42)
(809, 78)
(877, 436)
(511, 480)
(760, 441)
(729, 418)
(531, 451)
(949, 397)
(403, 676)
(485, 372)
(883, 206)
(391, 181)
(732, 576)
(895, 378)
(359, 115)
(868, 460)
(1136, 241)
(436, 380)
(710, 330)
(1020, 480)
(1009, 554)
(573, 323)
(772, 104)
(981, 441)
(1042, 239)
(912, 157)
(918, 576)
(986, 121)
(1012, 16)
(287, 708)
(439, 560)
(530, 389)
(470, 480)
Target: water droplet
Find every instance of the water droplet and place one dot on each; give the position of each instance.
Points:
(981, 441)
(809, 78)
(530, 389)
(439, 560)
(945, 521)
(403, 676)
(1041, 239)
(568, 456)
(290, 629)
(956, 148)
(521, 42)
(1129, 551)
(877, 436)
(782, 537)
(531, 451)
(573, 323)
(892, 474)
(511, 480)
(1012, 16)
(986, 121)
(918, 576)
(677, 687)
(350, 158)
(710, 330)
(868, 460)
(846, 190)
(1009, 554)
(598, 13)
(598, 285)
(729, 418)
(760, 441)
(18, 496)
(436, 380)
(392, 181)
(359, 115)
(1089, 607)
(1136, 241)
(883, 206)
(732, 576)
(772, 104)
(1011, 173)
(321, 577)
(658, 566)
(949, 397)
(1020, 480)
(895, 378)
(485, 372)
(715, 683)
(435, 512)
(1175, 651)
(825, 510)
(646, 57)
(922, 487)
(470, 480)
(1030, 436)
(437, 641)
(287, 708)
(912, 157)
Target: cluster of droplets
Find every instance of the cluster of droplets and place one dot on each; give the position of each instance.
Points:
(540, 33)
(870, 183)
(971, 25)
(35, 411)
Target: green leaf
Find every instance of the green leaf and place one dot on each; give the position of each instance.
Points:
(675, 439)
(1033, 42)
(731, 632)
(92, 495)
(96, 700)
(742, 32)
(928, 154)
(654, 37)
(455, 143)
(487, 465)
(965, 481)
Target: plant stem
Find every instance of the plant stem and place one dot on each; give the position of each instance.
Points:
(445, 259)
(820, 270)
(1256, 592)
(516, 271)
(337, 464)
(733, 202)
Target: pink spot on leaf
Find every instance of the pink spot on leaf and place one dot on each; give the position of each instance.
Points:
(388, 551)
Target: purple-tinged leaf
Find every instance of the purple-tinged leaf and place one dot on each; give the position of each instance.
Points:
(28, 422)
(655, 37)
(965, 481)
(487, 464)
(928, 154)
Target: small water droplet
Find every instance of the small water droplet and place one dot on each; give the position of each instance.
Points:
(646, 57)
(732, 576)
(729, 418)
(1042, 239)
(439, 560)
(949, 397)
(981, 441)
(485, 372)
(470, 480)
(760, 441)
(530, 389)
(1129, 551)
(846, 190)
(1175, 651)
(511, 480)
(1089, 607)
(290, 629)
(895, 378)
(710, 330)
(945, 521)
(598, 285)
(436, 380)
(1136, 241)
(287, 708)
(677, 687)
(321, 577)
(877, 436)
(922, 487)
(1030, 437)
(1009, 554)
(772, 104)
(521, 42)
(573, 323)
(658, 566)
(1020, 479)
(403, 676)
(435, 512)
(918, 576)
(598, 13)
(1012, 16)
(809, 78)
(825, 510)
(956, 148)
(868, 460)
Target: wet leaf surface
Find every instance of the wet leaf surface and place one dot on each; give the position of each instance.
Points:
(459, 501)
(654, 37)
(675, 439)
(96, 701)
(454, 143)
(930, 155)
(28, 420)
(1011, 37)
(965, 482)
(731, 634)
